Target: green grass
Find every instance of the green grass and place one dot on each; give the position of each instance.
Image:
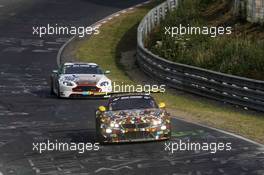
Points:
(238, 54)
(120, 35)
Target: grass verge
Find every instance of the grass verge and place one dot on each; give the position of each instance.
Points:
(119, 35)
(238, 53)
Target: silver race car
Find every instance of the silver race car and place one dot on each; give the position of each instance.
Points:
(80, 79)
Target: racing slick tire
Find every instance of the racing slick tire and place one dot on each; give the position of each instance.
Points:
(51, 87)
(169, 135)
(58, 91)
(99, 137)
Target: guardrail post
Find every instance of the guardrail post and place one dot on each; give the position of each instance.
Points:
(153, 19)
(163, 12)
(169, 4)
(145, 29)
(149, 24)
(158, 16)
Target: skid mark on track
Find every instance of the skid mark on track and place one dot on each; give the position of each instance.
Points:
(14, 49)
(120, 160)
(113, 169)
(3, 143)
(41, 51)
(5, 112)
(32, 42)
(16, 45)
(7, 41)
(22, 83)
(48, 164)
(9, 113)
(62, 40)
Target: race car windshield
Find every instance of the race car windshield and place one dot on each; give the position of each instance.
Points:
(82, 69)
(132, 103)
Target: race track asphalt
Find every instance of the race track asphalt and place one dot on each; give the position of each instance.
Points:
(28, 113)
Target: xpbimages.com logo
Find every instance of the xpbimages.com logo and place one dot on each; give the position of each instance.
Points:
(121, 87)
(213, 32)
(80, 31)
(212, 147)
(41, 147)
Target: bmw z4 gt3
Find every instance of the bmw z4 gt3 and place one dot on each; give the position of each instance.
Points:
(80, 79)
(132, 118)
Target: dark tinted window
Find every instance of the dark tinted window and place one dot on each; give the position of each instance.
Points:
(82, 69)
(132, 102)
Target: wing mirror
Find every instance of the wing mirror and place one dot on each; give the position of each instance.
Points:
(102, 108)
(162, 105)
(55, 71)
(107, 72)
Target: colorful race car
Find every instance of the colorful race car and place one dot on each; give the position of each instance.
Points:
(80, 79)
(132, 118)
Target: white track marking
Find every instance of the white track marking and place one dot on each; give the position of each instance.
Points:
(113, 169)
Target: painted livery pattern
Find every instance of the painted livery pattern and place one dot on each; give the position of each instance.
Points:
(131, 125)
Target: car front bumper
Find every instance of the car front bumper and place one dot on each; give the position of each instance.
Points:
(136, 136)
(68, 92)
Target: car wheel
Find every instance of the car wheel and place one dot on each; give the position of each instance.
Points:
(51, 87)
(58, 91)
(169, 135)
(97, 131)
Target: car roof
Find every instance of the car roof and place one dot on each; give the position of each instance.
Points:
(79, 63)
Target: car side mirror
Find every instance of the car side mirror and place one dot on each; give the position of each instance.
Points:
(55, 71)
(107, 72)
(162, 105)
(102, 108)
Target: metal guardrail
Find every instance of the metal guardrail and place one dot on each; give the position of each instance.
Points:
(240, 91)
(252, 10)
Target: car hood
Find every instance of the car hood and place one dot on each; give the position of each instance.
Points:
(83, 78)
(136, 116)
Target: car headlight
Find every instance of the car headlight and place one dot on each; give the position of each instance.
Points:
(67, 83)
(156, 122)
(163, 127)
(114, 125)
(108, 131)
(104, 83)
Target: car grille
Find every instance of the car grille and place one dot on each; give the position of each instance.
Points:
(138, 125)
(86, 88)
(137, 135)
